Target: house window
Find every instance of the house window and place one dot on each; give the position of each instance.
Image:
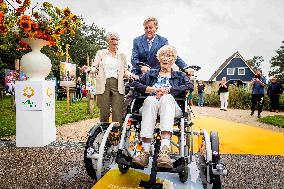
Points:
(241, 71)
(230, 71)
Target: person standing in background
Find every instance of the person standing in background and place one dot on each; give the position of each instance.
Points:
(258, 84)
(224, 94)
(274, 91)
(145, 48)
(110, 68)
(200, 88)
(79, 89)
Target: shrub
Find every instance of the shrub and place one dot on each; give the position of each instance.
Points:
(239, 97)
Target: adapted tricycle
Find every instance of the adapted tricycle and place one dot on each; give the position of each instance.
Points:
(110, 143)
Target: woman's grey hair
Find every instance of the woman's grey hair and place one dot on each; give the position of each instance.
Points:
(149, 20)
(110, 35)
(167, 49)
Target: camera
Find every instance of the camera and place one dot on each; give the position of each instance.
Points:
(256, 76)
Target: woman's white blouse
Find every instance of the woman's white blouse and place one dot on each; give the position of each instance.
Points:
(110, 66)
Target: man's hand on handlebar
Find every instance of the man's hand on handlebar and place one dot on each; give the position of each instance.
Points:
(189, 72)
(144, 69)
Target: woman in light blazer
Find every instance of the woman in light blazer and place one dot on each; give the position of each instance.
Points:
(110, 68)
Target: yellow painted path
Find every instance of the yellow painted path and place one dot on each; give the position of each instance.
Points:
(237, 138)
(114, 179)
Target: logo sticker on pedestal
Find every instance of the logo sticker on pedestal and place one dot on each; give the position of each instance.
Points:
(29, 92)
(28, 96)
(49, 98)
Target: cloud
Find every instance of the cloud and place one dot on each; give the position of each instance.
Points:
(205, 32)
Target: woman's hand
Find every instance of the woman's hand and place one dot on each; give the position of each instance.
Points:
(151, 89)
(161, 91)
(85, 69)
(165, 90)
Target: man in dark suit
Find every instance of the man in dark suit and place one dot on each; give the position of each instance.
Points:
(145, 48)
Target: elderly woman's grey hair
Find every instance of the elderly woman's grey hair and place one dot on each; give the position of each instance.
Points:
(167, 49)
(149, 20)
(224, 78)
(110, 35)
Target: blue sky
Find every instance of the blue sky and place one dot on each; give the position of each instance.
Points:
(205, 32)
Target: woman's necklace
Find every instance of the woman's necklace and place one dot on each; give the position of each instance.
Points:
(165, 72)
(113, 52)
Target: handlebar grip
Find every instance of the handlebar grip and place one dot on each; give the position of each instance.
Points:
(140, 64)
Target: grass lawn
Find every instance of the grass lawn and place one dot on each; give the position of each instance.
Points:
(78, 111)
(277, 120)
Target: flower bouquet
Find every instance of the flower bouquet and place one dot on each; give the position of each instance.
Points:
(48, 22)
(37, 27)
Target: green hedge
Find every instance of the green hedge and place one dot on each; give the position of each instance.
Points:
(239, 98)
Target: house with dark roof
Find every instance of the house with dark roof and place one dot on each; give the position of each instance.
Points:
(235, 69)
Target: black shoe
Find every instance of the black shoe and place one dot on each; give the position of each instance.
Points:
(225, 109)
(259, 116)
(251, 113)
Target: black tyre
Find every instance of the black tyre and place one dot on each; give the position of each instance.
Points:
(93, 143)
(123, 168)
(215, 179)
(184, 175)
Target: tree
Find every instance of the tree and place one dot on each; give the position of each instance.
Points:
(8, 53)
(88, 40)
(255, 62)
(277, 64)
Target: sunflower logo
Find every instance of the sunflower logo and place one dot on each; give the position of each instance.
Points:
(49, 92)
(29, 92)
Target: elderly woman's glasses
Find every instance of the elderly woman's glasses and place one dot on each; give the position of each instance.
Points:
(168, 55)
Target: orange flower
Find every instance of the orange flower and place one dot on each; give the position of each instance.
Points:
(1, 17)
(65, 23)
(74, 17)
(1, 1)
(66, 12)
(52, 43)
(26, 26)
(34, 26)
(21, 10)
(27, 3)
(3, 28)
(25, 23)
(38, 33)
(36, 15)
(25, 18)
(46, 5)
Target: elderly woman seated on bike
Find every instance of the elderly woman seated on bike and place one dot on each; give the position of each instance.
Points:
(161, 86)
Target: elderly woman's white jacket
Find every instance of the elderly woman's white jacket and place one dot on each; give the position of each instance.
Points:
(98, 70)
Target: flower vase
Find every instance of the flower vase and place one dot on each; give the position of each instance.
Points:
(35, 64)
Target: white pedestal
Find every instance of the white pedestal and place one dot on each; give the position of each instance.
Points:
(35, 113)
